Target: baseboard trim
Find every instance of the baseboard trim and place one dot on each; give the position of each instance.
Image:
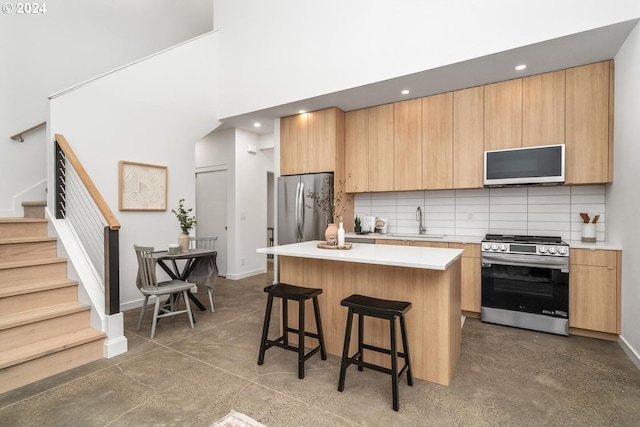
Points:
(633, 355)
(246, 274)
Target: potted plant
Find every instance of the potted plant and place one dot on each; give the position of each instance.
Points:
(357, 224)
(187, 222)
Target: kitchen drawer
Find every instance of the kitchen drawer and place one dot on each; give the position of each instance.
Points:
(471, 250)
(602, 258)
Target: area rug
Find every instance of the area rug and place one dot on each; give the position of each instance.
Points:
(236, 419)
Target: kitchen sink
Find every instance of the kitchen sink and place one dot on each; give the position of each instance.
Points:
(419, 236)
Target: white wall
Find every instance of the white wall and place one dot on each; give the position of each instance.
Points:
(623, 197)
(75, 40)
(247, 193)
(251, 198)
(307, 49)
(151, 112)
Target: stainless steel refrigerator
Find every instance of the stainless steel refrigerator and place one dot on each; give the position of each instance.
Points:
(299, 220)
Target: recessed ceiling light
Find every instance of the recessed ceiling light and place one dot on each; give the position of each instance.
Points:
(521, 67)
(257, 124)
(302, 111)
(405, 92)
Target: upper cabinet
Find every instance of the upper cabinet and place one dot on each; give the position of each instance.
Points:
(407, 145)
(356, 159)
(293, 145)
(543, 109)
(468, 135)
(381, 142)
(503, 115)
(311, 142)
(589, 125)
(437, 141)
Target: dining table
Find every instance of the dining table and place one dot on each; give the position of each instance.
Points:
(199, 268)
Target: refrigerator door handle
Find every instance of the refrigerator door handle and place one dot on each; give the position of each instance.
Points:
(296, 211)
(301, 212)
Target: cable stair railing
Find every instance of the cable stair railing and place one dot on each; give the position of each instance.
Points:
(80, 204)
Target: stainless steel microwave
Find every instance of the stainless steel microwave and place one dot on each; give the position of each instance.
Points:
(520, 166)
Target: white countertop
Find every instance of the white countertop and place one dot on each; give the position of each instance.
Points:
(446, 238)
(576, 244)
(399, 256)
(609, 246)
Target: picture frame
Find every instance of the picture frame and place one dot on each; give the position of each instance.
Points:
(142, 187)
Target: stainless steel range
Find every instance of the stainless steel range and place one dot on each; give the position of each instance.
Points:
(525, 282)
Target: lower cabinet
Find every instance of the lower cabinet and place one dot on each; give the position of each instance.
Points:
(412, 243)
(594, 290)
(470, 279)
(471, 276)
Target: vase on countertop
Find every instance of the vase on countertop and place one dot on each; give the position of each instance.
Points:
(183, 241)
(331, 234)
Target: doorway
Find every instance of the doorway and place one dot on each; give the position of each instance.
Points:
(211, 211)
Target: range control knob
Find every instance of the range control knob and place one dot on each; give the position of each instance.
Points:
(494, 246)
(542, 249)
(552, 250)
(562, 250)
(486, 246)
(503, 247)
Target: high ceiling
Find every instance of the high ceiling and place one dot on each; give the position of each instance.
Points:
(566, 52)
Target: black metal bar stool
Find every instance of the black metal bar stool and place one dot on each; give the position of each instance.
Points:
(382, 309)
(296, 293)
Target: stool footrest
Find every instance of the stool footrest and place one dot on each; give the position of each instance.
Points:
(278, 343)
(380, 349)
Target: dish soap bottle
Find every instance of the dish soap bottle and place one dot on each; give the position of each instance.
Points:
(341, 235)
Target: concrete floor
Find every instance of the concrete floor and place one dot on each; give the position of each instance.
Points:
(193, 377)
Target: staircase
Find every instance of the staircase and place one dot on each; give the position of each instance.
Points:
(44, 330)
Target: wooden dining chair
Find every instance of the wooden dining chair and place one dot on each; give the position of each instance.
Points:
(205, 243)
(149, 286)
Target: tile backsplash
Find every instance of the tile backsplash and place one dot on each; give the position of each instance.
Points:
(551, 211)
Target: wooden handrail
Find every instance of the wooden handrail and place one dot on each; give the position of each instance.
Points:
(112, 222)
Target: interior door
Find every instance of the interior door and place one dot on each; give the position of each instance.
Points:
(211, 211)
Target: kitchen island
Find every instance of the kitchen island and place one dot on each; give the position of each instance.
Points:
(429, 278)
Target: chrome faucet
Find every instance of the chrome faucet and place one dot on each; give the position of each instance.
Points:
(421, 229)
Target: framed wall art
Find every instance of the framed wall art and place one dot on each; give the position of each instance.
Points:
(142, 187)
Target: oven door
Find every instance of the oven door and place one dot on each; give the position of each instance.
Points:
(526, 283)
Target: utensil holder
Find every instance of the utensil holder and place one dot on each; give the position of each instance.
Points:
(588, 233)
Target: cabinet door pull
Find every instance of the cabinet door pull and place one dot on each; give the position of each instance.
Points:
(610, 268)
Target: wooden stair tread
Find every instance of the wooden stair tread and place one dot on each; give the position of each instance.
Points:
(40, 314)
(35, 287)
(19, 219)
(27, 263)
(13, 240)
(42, 348)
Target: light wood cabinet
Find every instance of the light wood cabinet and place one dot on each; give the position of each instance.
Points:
(309, 142)
(503, 115)
(588, 140)
(293, 145)
(407, 145)
(357, 150)
(437, 142)
(594, 290)
(468, 133)
(471, 279)
(543, 109)
(381, 142)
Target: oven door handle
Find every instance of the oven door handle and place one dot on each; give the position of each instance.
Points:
(525, 261)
